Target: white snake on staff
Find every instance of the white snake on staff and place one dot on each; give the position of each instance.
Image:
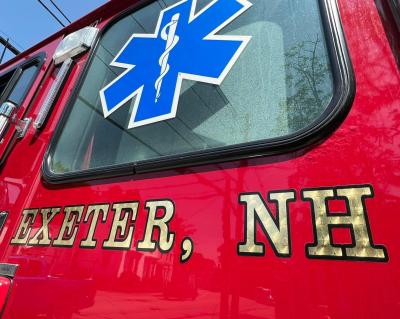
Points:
(172, 40)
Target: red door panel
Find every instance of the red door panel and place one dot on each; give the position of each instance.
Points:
(94, 281)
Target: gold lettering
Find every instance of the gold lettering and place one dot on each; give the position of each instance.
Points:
(356, 219)
(69, 227)
(166, 238)
(276, 231)
(95, 211)
(121, 235)
(25, 227)
(42, 237)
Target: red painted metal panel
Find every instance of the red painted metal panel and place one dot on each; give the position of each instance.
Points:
(217, 283)
(5, 285)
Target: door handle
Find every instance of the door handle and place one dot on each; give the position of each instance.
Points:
(8, 112)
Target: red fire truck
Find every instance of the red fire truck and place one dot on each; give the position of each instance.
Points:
(204, 159)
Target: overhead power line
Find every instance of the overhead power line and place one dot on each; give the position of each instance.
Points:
(7, 46)
(6, 43)
(51, 12)
(59, 10)
(17, 45)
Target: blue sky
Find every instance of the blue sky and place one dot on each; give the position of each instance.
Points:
(26, 22)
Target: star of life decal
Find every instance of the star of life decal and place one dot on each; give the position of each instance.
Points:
(184, 46)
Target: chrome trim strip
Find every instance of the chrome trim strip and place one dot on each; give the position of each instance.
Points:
(8, 270)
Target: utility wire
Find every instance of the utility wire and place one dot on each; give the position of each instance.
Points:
(18, 45)
(59, 10)
(49, 11)
(8, 46)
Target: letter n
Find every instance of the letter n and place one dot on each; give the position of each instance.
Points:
(276, 229)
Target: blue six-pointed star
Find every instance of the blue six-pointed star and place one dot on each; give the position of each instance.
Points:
(184, 46)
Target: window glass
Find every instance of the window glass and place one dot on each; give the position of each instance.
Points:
(396, 4)
(281, 83)
(396, 12)
(19, 85)
(19, 91)
(4, 80)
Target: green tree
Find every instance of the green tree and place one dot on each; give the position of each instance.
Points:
(309, 80)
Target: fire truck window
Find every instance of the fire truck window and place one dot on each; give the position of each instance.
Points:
(19, 91)
(396, 5)
(281, 83)
(4, 80)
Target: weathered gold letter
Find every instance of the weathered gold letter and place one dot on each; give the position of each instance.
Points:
(121, 234)
(277, 232)
(95, 211)
(355, 219)
(69, 227)
(25, 227)
(166, 238)
(42, 236)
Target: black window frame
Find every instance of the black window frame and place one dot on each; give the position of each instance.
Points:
(395, 6)
(17, 70)
(389, 11)
(344, 88)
